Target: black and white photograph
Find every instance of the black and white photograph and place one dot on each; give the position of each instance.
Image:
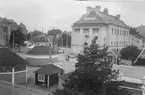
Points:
(72, 47)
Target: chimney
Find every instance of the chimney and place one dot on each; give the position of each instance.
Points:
(118, 16)
(105, 11)
(89, 9)
(97, 8)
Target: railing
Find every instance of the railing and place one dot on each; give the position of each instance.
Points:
(24, 87)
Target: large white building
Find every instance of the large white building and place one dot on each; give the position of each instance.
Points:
(110, 30)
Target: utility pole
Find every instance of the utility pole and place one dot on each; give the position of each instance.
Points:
(66, 40)
(62, 42)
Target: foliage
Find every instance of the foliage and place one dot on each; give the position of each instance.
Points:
(28, 36)
(130, 52)
(133, 30)
(19, 38)
(93, 72)
(36, 33)
(66, 39)
(54, 32)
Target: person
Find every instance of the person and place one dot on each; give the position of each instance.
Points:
(68, 57)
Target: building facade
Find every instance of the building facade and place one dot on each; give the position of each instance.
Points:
(6, 26)
(110, 30)
(141, 30)
(136, 40)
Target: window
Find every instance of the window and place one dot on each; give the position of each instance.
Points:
(41, 77)
(90, 18)
(118, 32)
(112, 31)
(5, 70)
(126, 33)
(104, 39)
(115, 31)
(111, 43)
(95, 30)
(49, 45)
(77, 30)
(86, 30)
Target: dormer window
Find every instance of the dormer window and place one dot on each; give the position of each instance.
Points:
(77, 30)
(86, 30)
(95, 30)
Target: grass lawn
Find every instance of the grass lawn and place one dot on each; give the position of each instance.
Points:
(7, 90)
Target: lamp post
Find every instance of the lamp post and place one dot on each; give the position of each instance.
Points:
(143, 87)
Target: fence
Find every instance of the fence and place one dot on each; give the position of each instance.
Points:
(132, 80)
(24, 88)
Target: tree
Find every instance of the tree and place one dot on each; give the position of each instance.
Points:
(66, 39)
(18, 38)
(130, 52)
(28, 36)
(36, 33)
(133, 30)
(54, 32)
(93, 73)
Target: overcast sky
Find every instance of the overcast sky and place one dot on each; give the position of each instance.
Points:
(62, 14)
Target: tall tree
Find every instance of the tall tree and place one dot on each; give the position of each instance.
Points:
(130, 52)
(17, 38)
(93, 72)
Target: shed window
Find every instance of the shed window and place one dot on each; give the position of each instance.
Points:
(41, 77)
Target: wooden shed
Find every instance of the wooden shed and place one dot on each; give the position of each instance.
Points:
(47, 75)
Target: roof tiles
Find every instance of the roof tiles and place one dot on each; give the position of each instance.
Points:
(100, 18)
(49, 70)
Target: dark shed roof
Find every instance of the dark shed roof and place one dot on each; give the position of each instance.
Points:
(10, 59)
(49, 70)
